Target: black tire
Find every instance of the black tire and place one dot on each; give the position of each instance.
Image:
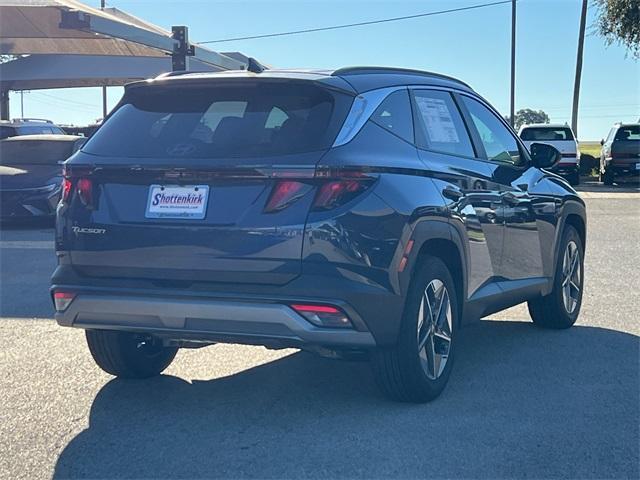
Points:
(128, 355)
(607, 177)
(399, 370)
(550, 311)
(574, 178)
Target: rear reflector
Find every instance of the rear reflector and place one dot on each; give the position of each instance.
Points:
(323, 315)
(62, 300)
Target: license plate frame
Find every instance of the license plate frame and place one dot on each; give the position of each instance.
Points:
(177, 202)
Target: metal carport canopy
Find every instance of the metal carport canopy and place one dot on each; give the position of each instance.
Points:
(70, 27)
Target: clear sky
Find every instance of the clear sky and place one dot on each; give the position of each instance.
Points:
(472, 45)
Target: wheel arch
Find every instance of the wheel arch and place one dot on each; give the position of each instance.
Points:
(439, 239)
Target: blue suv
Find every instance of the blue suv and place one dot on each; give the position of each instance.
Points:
(362, 212)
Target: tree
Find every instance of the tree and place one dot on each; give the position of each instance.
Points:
(619, 22)
(526, 115)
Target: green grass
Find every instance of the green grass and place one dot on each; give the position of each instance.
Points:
(590, 148)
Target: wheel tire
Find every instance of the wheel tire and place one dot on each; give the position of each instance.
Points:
(400, 371)
(607, 177)
(551, 311)
(574, 179)
(128, 355)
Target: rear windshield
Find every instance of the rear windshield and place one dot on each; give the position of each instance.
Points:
(546, 133)
(630, 132)
(37, 152)
(255, 119)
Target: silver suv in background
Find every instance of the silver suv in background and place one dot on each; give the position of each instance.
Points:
(561, 137)
(620, 154)
(28, 126)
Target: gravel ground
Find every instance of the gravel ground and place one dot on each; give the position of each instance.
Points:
(521, 403)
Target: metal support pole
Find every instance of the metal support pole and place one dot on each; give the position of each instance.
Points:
(512, 109)
(4, 104)
(21, 103)
(104, 102)
(182, 50)
(576, 84)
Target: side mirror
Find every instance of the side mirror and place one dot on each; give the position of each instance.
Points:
(602, 142)
(544, 155)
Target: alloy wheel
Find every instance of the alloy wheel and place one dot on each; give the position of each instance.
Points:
(434, 329)
(571, 277)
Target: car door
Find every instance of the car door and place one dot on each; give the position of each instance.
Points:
(525, 199)
(444, 145)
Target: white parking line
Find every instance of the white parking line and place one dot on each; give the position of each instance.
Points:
(27, 244)
(610, 194)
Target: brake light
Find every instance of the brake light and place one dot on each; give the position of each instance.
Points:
(85, 191)
(323, 315)
(337, 192)
(284, 193)
(67, 185)
(62, 300)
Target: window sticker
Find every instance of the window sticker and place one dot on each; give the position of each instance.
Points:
(436, 115)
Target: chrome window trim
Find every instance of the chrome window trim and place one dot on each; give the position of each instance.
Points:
(361, 110)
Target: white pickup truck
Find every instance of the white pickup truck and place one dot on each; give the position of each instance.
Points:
(561, 137)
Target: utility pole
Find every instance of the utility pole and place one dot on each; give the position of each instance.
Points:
(512, 109)
(21, 103)
(104, 87)
(576, 85)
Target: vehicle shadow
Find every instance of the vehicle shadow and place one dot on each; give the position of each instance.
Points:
(522, 402)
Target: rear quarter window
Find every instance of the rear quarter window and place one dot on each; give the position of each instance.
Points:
(252, 120)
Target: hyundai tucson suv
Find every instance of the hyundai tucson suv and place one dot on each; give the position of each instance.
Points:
(561, 137)
(357, 213)
(620, 154)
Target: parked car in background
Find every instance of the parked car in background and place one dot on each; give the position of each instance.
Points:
(28, 126)
(364, 212)
(31, 174)
(620, 155)
(561, 137)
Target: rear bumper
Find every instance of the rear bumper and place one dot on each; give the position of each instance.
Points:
(25, 204)
(625, 167)
(566, 168)
(199, 320)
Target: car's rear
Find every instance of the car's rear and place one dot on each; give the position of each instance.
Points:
(184, 216)
(31, 174)
(562, 138)
(622, 153)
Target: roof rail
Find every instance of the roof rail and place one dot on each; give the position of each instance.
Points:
(26, 119)
(398, 70)
(176, 73)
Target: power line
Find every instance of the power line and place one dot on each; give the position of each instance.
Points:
(358, 24)
(65, 100)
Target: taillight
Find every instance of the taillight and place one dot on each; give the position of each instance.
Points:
(323, 315)
(284, 193)
(334, 193)
(67, 185)
(62, 300)
(85, 191)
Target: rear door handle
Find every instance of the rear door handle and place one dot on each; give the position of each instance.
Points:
(452, 194)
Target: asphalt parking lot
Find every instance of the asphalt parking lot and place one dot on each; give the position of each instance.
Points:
(522, 402)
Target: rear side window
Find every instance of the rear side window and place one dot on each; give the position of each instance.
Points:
(499, 143)
(251, 120)
(394, 115)
(546, 134)
(441, 123)
(630, 132)
(34, 130)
